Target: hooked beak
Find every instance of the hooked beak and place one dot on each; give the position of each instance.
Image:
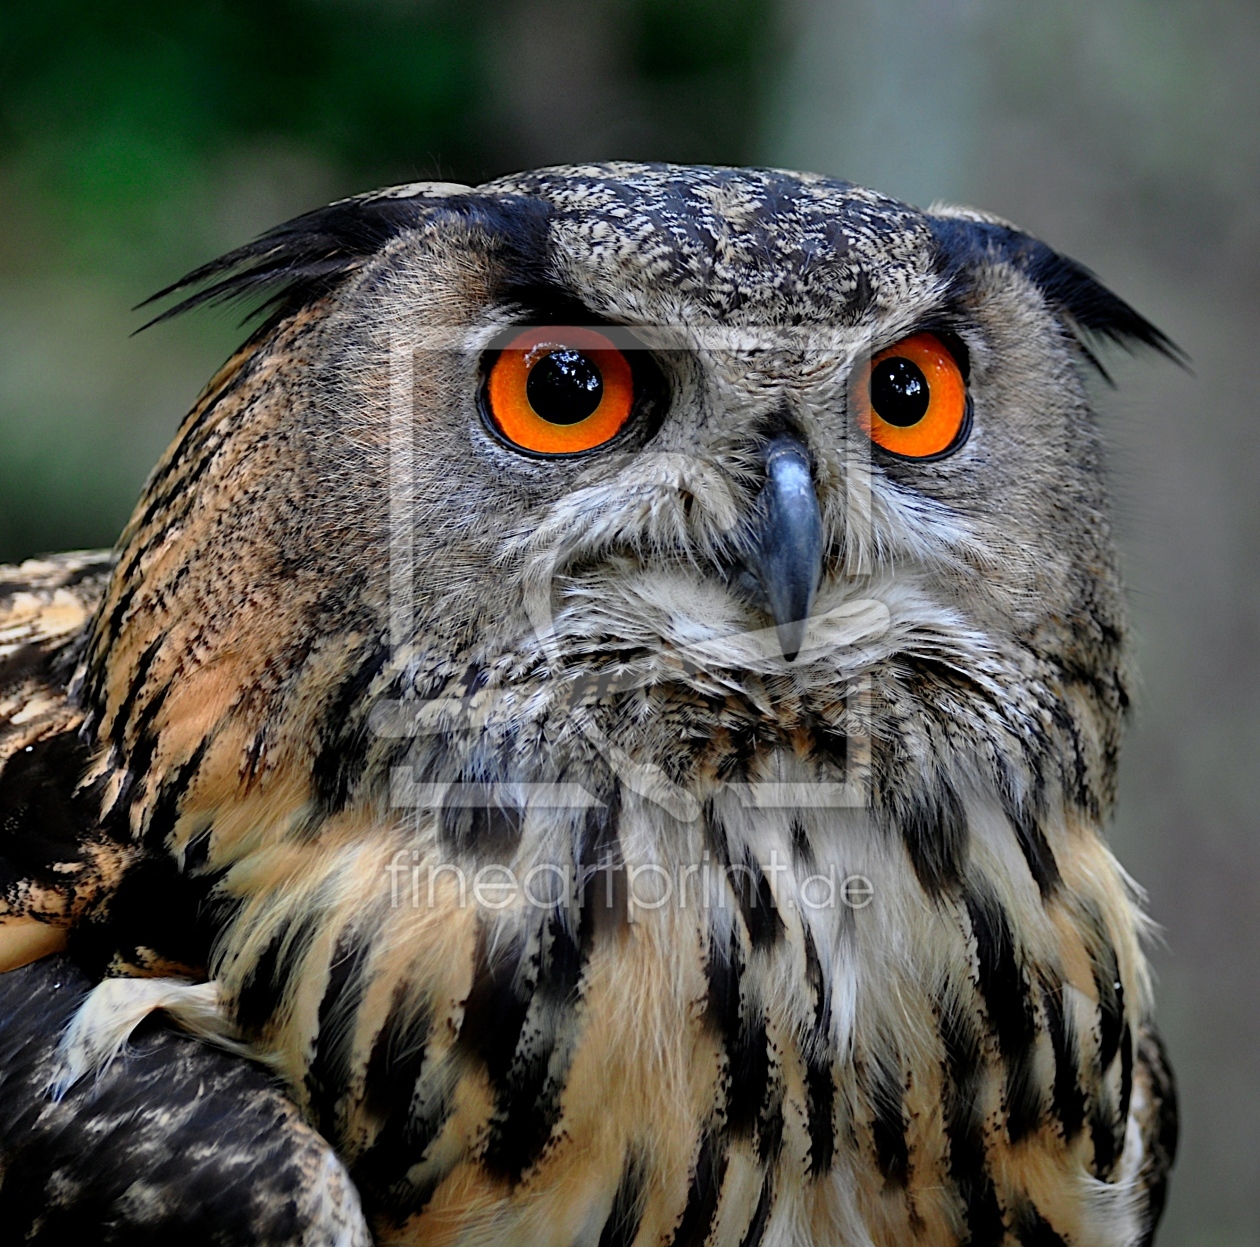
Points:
(786, 548)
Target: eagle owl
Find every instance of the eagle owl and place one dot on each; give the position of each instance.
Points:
(612, 698)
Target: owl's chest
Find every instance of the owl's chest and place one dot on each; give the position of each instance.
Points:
(700, 1031)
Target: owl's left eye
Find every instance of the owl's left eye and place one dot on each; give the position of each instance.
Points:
(912, 399)
(559, 390)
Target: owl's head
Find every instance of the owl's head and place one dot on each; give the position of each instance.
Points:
(677, 463)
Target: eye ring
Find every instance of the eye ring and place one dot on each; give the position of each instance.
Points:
(911, 399)
(556, 391)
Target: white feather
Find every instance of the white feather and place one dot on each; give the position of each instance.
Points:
(100, 1028)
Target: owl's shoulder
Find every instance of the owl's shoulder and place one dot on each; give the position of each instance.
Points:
(54, 858)
(217, 1144)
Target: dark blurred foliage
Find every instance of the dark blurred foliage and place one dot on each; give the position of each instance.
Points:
(113, 116)
(139, 137)
(113, 113)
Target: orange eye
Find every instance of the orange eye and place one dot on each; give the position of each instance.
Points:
(560, 390)
(913, 401)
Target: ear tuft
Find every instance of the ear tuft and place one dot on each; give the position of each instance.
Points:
(1093, 312)
(300, 261)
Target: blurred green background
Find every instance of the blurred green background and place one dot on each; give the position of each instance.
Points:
(139, 139)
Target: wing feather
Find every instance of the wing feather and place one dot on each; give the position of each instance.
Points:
(1156, 1110)
(56, 861)
(180, 1143)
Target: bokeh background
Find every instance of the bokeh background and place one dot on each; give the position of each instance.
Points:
(138, 139)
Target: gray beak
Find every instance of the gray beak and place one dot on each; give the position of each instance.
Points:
(786, 546)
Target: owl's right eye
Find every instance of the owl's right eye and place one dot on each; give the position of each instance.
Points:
(560, 390)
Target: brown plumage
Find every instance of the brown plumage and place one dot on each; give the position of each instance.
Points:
(394, 731)
(59, 864)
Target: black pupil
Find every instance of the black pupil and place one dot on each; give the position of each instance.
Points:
(899, 392)
(564, 387)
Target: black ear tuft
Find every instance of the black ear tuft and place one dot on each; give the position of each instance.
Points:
(303, 259)
(1092, 310)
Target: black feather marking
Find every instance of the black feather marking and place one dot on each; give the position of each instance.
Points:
(344, 735)
(802, 849)
(601, 875)
(754, 1093)
(820, 1086)
(1009, 1008)
(134, 689)
(1161, 1141)
(397, 1057)
(155, 909)
(92, 695)
(743, 743)
(328, 1073)
(724, 971)
(196, 855)
(395, 1066)
(744, 1039)
(44, 818)
(1107, 1120)
(165, 811)
(1031, 1228)
(756, 902)
(1110, 1004)
(703, 1194)
(1126, 1072)
(261, 991)
(964, 1127)
(1102, 1132)
(141, 753)
(1033, 844)
(495, 1009)
(761, 1214)
(520, 1018)
(1069, 287)
(933, 826)
(295, 264)
(831, 744)
(626, 1213)
(529, 1090)
(770, 1122)
(519, 1024)
(1067, 1098)
(748, 884)
(888, 1122)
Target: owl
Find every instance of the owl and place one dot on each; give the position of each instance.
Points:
(601, 726)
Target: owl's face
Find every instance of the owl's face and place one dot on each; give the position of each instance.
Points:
(740, 442)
